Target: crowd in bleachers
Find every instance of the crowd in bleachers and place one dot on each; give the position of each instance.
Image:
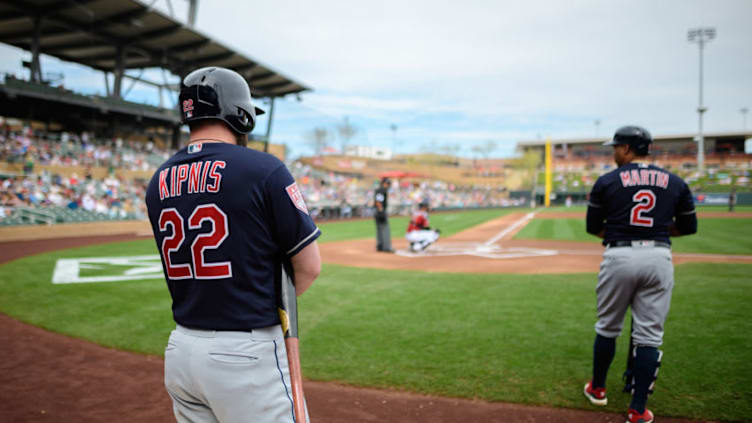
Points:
(66, 149)
(39, 194)
(71, 198)
(715, 178)
(84, 197)
(331, 195)
(78, 197)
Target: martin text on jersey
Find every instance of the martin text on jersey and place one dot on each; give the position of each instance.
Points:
(649, 177)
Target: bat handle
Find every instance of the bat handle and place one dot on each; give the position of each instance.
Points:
(296, 380)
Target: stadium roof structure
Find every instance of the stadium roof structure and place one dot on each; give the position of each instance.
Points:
(116, 35)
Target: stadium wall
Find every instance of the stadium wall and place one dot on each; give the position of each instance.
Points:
(72, 230)
(80, 171)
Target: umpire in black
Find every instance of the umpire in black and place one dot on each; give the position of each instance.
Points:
(380, 200)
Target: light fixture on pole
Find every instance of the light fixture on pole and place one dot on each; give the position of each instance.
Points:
(744, 111)
(700, 36)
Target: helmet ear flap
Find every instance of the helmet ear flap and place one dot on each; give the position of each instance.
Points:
(243, 117)
(246, 119)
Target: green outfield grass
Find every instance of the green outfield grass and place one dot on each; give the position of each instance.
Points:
(516, 338)
(714, 235)
(583, 209)
(449, 223)
(721, 208)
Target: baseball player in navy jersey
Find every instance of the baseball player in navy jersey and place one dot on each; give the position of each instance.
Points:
(225, 218)
(635, 209)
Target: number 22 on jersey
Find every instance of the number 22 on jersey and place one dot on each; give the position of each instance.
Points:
(212, 240)
(645, 200)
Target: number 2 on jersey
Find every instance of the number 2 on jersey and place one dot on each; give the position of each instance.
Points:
(645, 200)
(198, 266)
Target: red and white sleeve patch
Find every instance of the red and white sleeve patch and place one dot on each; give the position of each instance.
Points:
(297, 198)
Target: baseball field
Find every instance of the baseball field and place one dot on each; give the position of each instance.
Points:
(501, 309)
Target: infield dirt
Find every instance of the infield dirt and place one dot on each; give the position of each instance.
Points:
(512, 256)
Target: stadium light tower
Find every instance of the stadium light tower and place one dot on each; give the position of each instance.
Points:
(700, 36)
(744, 111)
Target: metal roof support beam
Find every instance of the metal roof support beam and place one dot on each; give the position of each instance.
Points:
(190, 46)
(265, 88)
(63, 5)
(125, 17)
(112, 56)
(106, 84)
(103, 35)
(245, 69)
(119, 71)
(70, 26)
(133, 82)
(146, 81)
(271, 85)
(260, 76)
(155, 34)
(192, 11)
(70, 46)
(208, 60)
(36, 67)
(10, 37)
(269, 125)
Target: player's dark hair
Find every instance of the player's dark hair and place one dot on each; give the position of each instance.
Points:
(240, 139)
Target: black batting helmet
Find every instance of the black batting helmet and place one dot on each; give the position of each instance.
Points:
(638, 138)
(218, 93)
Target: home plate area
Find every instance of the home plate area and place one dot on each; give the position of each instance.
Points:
(478, 249)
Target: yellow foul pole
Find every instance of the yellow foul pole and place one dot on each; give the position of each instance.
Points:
(547, 198)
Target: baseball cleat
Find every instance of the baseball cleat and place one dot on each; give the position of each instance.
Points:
(596, 396)
(635, 417)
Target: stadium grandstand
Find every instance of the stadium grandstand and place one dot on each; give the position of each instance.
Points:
(67, 156)
(577, 163)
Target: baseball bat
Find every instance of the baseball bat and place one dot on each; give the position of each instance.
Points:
(288, 315)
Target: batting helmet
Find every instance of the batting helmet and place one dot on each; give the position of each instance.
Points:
(218, 93)
(639, 139)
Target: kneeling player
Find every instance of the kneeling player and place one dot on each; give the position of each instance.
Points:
(419, 234)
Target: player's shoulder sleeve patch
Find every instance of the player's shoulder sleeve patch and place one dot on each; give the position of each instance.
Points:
(296, 197)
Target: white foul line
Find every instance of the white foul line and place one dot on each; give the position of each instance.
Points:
(511, 227)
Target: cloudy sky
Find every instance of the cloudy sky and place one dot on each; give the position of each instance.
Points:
(462, 73)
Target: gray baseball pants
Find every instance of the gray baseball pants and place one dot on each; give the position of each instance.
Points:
(640, 277)
(383, 236)
(224, 376)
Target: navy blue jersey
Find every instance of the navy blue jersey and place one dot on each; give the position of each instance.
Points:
(224, 218)
(639, 202)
